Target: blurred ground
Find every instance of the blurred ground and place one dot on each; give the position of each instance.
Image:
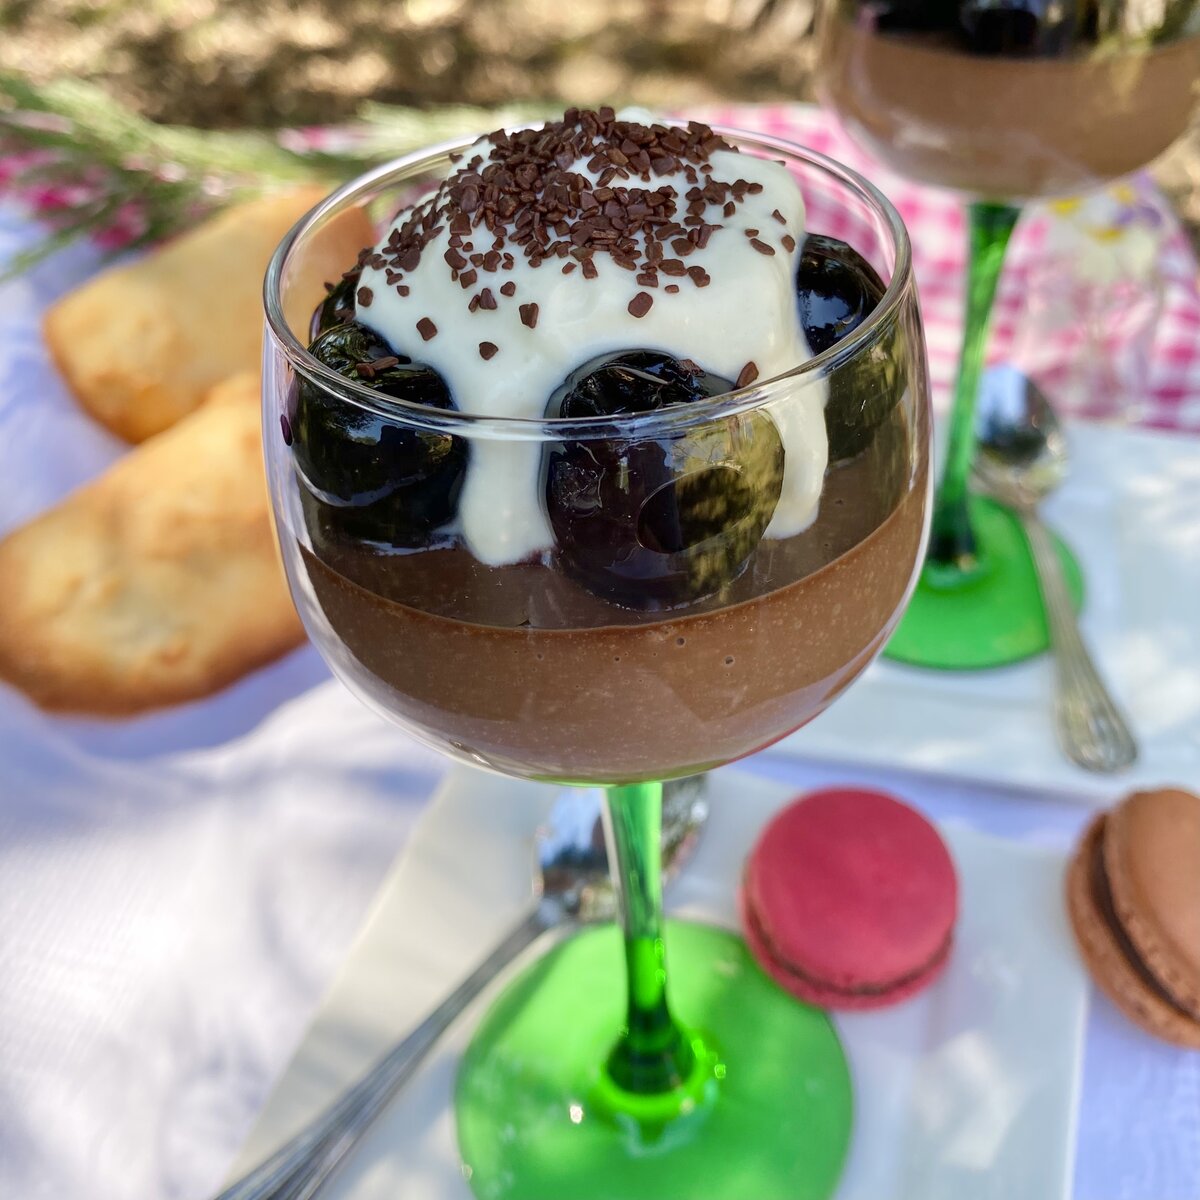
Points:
(224, 63)
(270, 62)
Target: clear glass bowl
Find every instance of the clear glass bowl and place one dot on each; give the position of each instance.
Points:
(523, 669)
(701, 641)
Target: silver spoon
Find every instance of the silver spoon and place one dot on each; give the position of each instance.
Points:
(571, 887)
(1022, 458)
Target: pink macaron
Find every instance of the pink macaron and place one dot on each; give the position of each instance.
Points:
(849, 899)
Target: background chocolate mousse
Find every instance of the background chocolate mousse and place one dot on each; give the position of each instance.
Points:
(1006, 125)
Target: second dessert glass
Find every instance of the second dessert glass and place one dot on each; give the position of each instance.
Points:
(1007, 101)
(593, 1075)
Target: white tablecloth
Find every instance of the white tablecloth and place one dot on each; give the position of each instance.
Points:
(176, 892)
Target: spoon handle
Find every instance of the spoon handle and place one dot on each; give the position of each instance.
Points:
(1091, 728)
(298, 1168)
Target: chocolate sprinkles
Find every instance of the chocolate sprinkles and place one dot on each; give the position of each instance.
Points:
(526, 193)
(640, 305)
(747, 375)
(645, 195)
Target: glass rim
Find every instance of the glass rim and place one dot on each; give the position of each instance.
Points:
(670, 418)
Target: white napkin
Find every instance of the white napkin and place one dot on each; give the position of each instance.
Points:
(167, 924)
(1130, 510)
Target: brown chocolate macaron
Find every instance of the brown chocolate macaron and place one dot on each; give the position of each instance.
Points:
(1133, 893)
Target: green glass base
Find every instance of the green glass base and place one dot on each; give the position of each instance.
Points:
(767, 1114)
(986, 617)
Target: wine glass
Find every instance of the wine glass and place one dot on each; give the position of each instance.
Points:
(1006, 101)
(707, 640)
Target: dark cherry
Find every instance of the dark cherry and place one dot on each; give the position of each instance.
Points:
(1012, 29)
(658, 521)
(837, 289)
(1027, 28)
(375, 480)
(913, 16)
(1005, 28)
(338, 306)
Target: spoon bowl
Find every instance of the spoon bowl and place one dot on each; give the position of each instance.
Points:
(1023, 450)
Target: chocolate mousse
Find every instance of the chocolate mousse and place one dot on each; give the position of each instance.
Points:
(1000, 101)
(524, 671)
(646, 598)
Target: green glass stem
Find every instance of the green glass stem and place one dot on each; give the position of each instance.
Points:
(951, 541)
(652, 1055)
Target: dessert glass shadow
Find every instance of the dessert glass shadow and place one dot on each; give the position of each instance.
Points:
(666, 627)
(1008, 103)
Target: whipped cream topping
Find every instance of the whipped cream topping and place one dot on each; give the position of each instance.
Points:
(592, 237)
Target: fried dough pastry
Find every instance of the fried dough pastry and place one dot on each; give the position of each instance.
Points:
(157, 583)
(140, 345)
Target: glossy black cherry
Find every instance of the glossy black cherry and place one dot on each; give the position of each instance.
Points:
(655, 522)
(373, 479)
(836, 290)
(338, 306)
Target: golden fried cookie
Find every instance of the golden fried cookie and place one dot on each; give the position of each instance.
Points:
(140, 345)
(157, 583)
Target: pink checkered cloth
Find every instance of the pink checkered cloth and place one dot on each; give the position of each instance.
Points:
(936, 224)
